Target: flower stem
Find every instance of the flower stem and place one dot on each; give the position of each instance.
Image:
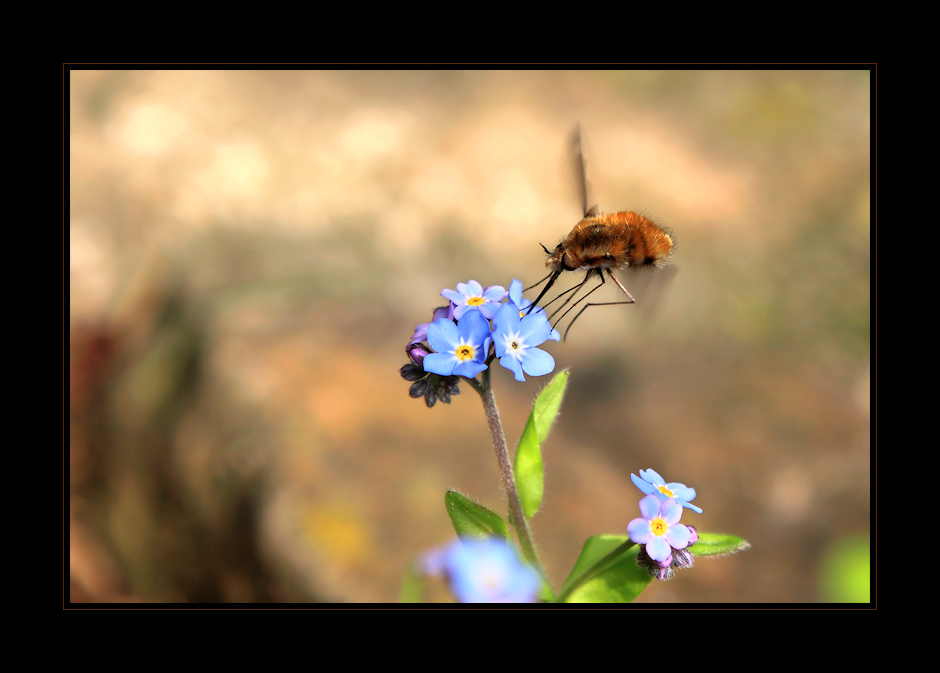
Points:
(516, 516)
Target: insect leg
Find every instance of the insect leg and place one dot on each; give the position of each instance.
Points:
(560, 295)
(586, 306)
(574, 290)
(629, 296)
(591, 291)
(610, 273)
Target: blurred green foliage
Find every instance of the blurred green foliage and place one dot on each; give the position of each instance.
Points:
(845, 576)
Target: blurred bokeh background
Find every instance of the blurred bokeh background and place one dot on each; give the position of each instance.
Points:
(249, 252)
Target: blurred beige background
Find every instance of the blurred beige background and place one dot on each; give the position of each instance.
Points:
(251, 250)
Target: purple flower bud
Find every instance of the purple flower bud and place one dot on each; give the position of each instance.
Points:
(665, 569)
(418, 388)
(443, 312)
(412, 372)
(432, 387)
(421, 333)
(682, 558)
(417, 352)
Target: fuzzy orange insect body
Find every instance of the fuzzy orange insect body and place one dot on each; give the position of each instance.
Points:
(614, 241)
(602, 243)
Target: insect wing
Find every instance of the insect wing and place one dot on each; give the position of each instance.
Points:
(650, 287)
(580, 174)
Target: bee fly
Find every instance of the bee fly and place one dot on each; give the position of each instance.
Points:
(600, 243)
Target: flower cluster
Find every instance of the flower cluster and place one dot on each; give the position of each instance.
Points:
(665, 541)
(430, 386)
(664, 570)
(458, 340)
(483, 571)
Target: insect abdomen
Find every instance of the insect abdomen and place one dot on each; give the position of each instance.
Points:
(619, 240)
(648, 243)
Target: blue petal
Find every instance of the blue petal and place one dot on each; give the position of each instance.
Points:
(494, 293)
(506, 319)
(474, 328)
(455, 297)
(639, 531)
(536, 362)
(487, 571)
(489, 309)
(681, 491)
(649, 506)
(678, 536)
(512, 364)
(515, 292)
(443, 335)
(644, 486)
(671, 511)
(652, 476)
(470, 289)
(433, 562)
(535, 329)
(689, 505)
(468, 368)
(658, 549)
(440, 363)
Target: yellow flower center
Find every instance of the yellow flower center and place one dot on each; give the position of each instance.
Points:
(666, 492)
(475, 301)
(659, 526)
(464, 352)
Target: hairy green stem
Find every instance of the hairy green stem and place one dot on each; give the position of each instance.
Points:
(516, 516)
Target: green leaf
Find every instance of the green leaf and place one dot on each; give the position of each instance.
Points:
(530, 478)
(472, 519)
(546, 406)
(605, 572)
(716, 544)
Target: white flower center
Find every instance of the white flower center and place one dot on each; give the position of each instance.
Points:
(514, 344)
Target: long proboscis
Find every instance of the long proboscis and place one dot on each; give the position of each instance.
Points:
(552, 277)
(540, 282)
